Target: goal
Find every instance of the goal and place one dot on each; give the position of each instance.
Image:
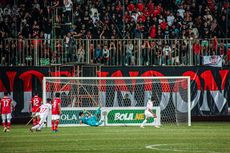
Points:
(123, 99)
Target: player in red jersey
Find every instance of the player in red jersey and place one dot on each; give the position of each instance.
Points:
(6, 107)
(44, 113)
(56, 111)
(36, 102)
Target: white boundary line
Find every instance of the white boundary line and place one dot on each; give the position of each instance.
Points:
(170, 149)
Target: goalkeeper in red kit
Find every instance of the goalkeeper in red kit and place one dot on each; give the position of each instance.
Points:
(56, 111)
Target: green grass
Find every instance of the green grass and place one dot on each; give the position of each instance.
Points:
(200, 138)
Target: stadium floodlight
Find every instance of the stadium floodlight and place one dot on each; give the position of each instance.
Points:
(170, 94)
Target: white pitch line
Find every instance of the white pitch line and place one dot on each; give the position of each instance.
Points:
(158, 147)
(155, 147)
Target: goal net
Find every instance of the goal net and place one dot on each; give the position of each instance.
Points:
(123, 99)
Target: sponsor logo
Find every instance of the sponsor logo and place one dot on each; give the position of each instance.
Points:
(68, 117)
(71, 116)
(128, 116)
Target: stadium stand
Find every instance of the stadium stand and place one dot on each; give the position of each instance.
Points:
(137, 32)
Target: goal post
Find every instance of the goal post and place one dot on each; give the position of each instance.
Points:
(123, 99)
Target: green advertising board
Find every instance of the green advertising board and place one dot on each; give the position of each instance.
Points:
(71, 116)
(130, 116)
(127, 116)
(112, 116)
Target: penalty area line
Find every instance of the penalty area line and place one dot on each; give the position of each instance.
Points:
(168, 147)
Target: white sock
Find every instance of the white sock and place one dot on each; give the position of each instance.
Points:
(41, 126)
(143, 123)
(35, 127)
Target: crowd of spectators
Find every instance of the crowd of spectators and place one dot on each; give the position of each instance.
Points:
(117, 19)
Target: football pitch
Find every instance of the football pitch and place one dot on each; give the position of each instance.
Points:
(199, 138)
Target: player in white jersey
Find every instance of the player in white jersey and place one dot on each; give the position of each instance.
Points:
(148, 112)
(45, 110)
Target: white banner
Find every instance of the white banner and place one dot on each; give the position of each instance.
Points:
(214, 60)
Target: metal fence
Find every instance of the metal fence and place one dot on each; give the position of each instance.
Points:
(39, 52)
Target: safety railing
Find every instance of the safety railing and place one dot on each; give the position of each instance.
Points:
(39, 52)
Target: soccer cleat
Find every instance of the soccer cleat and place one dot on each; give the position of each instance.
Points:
(31, 130)
(142, 127)
(5, 129)
(156, 126)
(38, 130)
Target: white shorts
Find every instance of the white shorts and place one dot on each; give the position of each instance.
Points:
(42, 119)
(55, 117)
(36, 114)
(6, 116)
(148, 114)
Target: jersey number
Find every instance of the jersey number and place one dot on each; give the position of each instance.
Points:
(36, 102)
(6, 103)
(43, 110)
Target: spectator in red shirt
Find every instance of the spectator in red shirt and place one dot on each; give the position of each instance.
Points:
(141, 18)
(150, 6)
(215, 44)
(20, 47)
(197, 52)
(221, 49)
(163, 25)
(119, 7)
(146, 12)
(156, 11)
(140, 6)
(131, 7)
(139, 29)
(127, 17)
(153, 32)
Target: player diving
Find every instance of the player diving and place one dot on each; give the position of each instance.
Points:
(90, 119)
